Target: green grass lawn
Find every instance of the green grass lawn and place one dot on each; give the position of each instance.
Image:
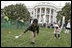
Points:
(44, 39)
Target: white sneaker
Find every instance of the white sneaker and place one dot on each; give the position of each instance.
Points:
(16, 37)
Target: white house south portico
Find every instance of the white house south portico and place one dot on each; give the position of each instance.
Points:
(45, 12)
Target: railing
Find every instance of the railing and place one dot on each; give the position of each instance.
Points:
(14, 24)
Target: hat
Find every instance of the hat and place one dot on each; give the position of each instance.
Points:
(35, 21)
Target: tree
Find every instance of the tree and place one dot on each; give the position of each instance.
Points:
(15, 11)
(59, 16)
(66, 11)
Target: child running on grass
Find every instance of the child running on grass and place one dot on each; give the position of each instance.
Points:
(33, 27)
(57, 31)
(68, 27)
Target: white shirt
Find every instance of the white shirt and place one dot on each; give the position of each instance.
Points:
(55, 25)
(68, 25)
(57, 30)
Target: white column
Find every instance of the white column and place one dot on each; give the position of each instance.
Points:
(40, 12)
(45, 11)
(40, 15)
(53, 15)
(45, 15)
(50, 16)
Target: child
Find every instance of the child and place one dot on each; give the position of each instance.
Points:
(6, 19)
(68, 27)
(64, 27)
(57, 31)
(33, 27)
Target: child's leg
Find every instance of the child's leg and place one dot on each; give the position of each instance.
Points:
(55, 35)
(58, 35)
(32, 37)
(66, 31)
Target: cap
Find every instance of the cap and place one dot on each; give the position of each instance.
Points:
(35, 21)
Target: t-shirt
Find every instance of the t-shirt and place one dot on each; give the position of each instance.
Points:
(32, 28)
(68, 25)
(57, 30)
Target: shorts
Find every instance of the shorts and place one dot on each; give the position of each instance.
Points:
(56, 32)
(67, 28)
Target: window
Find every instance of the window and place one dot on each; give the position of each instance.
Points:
(32, 12)
(43, 10)
(51, 19)
(52, 11)
(35, 10)
(38, 16)
(38, 10)
(41, 20)
(47, 18)
(47, 10)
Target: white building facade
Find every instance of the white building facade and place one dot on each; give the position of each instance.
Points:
(45, 12)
